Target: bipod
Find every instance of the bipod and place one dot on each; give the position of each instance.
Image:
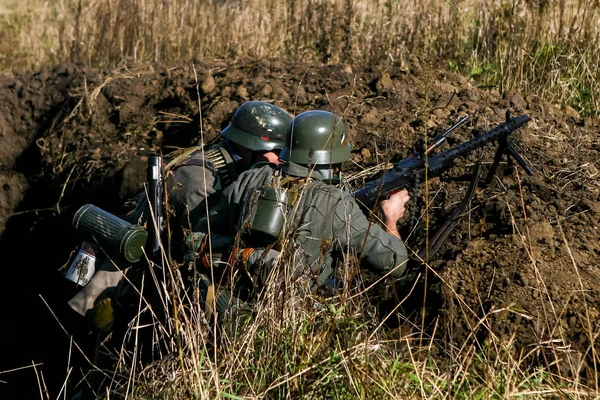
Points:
(416, 266)
(448, 226)
(508, 147)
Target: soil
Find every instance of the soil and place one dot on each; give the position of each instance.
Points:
(521, 267)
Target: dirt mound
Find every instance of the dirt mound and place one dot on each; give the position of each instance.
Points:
(522, 265)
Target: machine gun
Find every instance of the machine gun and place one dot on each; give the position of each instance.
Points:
(421, 164)
(424, 163)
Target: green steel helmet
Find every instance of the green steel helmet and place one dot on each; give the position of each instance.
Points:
(258, 126)
(316, 137)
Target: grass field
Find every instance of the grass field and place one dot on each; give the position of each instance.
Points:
(544, 47)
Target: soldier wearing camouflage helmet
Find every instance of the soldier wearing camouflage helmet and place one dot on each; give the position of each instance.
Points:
(259, 127)
(323, 210)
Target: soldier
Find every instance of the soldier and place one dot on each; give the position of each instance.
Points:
(302, 200)
(257, 132)
(195, 177)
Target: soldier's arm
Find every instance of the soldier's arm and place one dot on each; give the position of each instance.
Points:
(189, 188)
(221, 216)
(224, 216)
(393, 209)
(382, 250)
(217, 219)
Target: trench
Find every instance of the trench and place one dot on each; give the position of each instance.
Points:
(34, 247)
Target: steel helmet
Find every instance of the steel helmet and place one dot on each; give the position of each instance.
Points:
(316, 137)
(258, 126)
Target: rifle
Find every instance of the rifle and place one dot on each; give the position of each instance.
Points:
(419, 164)
(156, 263)
(154, 174)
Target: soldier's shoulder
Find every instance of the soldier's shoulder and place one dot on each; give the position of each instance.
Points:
(260, 169)
(329, 189)
(178, 156)
(250, 176)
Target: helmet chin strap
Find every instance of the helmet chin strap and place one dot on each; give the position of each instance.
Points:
(241, 156)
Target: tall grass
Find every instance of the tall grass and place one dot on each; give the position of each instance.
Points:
(300, 345)
(544, 47)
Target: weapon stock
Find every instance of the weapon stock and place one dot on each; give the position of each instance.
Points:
(156, 265)
(154, 174)
(416, 165)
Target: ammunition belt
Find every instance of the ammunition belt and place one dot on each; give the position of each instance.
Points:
(224, 167)
(216, 159)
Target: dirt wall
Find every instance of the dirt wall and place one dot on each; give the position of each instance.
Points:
(522, 266)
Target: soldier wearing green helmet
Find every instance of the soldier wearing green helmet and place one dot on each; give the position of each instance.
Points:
(256, 133)
(197, 176)
(258, 126)
(319, 214)
(317, 138)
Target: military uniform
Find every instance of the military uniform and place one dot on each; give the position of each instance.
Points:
(194, 179)
(295, 208)
(327, 218)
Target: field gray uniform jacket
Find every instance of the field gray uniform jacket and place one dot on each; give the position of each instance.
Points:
(191, 183)
(197, 180)
(327, 214)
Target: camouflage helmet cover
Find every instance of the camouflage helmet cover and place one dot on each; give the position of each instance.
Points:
(258, 126)
(316, 137)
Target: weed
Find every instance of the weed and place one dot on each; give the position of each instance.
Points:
(546, 48)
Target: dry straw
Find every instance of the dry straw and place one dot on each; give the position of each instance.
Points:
(546, 47)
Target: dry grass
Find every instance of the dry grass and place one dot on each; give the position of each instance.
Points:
(542, 47)
(300, 345)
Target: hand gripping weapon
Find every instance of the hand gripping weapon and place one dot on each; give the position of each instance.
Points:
(421, 164)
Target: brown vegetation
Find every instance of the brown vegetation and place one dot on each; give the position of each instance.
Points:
(511, 301)
(545, 47)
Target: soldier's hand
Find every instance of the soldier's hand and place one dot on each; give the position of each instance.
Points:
(393, 209)
(101, 316)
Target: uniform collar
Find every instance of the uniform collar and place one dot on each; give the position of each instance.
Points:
(298, 170)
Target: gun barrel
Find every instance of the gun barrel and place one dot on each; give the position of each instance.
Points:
(438, 162)
(414, 167)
